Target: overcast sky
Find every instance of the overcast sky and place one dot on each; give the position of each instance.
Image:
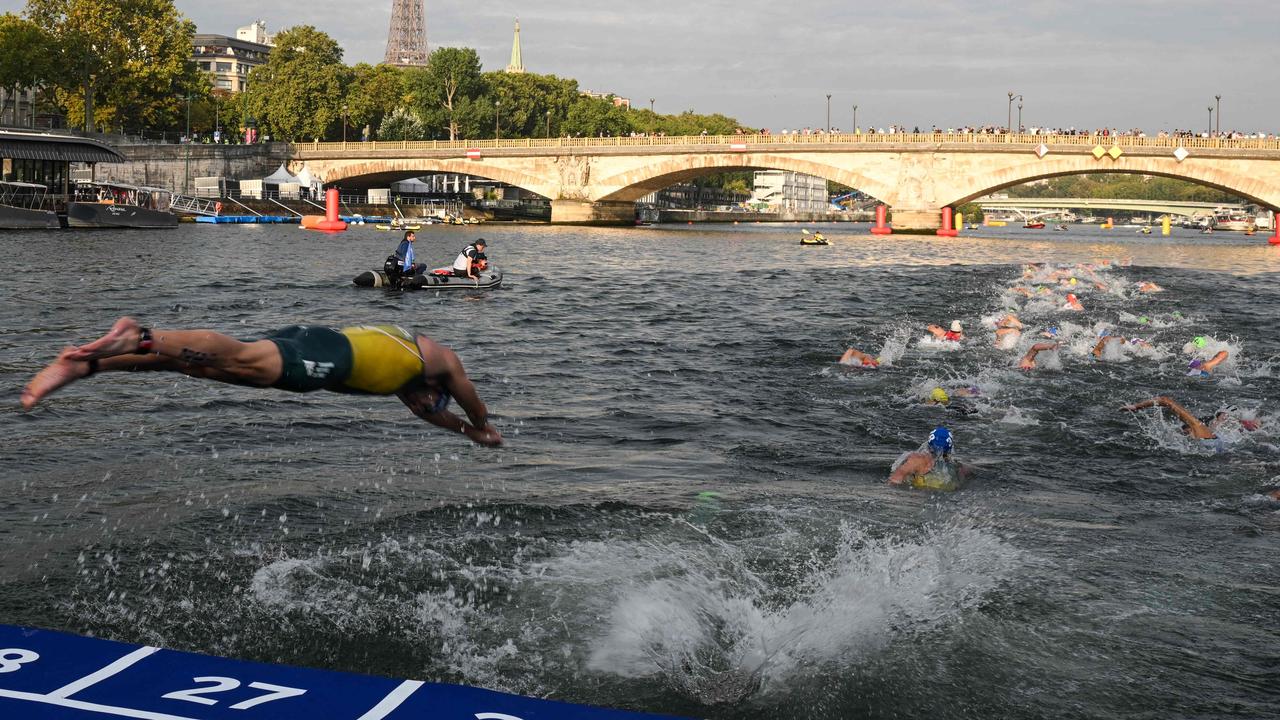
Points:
(1154, 64)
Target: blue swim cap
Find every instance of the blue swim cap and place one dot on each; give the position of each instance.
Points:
(1052, 331)
(940, 440)
(1104, 332)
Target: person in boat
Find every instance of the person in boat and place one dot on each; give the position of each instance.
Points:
(857, 358)
(932, 466)
(1204, 430)
(405, 257)
(471, 260)
(363, 360)
(1028, 361)
(955, 334)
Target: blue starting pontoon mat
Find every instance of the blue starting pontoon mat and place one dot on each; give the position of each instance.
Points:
(46, 675)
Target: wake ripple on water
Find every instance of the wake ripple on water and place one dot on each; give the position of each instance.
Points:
(718, 630)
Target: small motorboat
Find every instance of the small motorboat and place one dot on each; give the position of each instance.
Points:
(1034, 226)
(1061, 228)
(438, 279)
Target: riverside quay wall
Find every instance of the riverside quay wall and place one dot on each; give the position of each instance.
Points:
(174, 167)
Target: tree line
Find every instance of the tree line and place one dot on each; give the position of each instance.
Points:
(125, 66)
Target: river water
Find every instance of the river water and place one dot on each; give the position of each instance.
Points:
(689, 515)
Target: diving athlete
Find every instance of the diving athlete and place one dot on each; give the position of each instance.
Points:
(931, 467)
(367, 359)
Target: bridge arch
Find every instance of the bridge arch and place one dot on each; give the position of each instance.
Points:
(651, 174)
(1236, 178)
(334, 171)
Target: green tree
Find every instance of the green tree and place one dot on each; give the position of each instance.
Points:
(451, 77)
(375, 92)
(530, 102)
(298, 93)
(591, 117)
(118, 59)
(25, 60)
(402, 124)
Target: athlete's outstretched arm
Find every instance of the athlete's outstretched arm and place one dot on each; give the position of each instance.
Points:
(420, 401)
(917, 464)
(1195, 427)
(1214, 361)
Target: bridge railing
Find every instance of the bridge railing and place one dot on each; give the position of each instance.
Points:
(750, 141)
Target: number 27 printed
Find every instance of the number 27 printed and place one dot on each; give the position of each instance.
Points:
(224, 684)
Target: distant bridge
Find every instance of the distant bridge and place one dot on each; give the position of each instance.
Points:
(1028, 208)
(598, 180)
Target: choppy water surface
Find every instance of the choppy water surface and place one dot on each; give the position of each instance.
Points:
(1099, 565)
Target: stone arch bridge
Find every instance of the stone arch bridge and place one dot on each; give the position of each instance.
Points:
(598, 180)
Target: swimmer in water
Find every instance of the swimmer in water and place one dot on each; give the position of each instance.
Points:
(856, 358)
(363, 360)
(1073, 303)
(1008, 332)
(1106, 338)
(1148, 287)
(955, 334)
(1203, 368)
(1028, 361)
(931, 467)
(956, 399)
(1194, 426)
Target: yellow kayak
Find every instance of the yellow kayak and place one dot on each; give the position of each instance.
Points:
(398, 227)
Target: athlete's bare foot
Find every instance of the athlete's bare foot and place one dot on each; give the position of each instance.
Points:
(122, 339)
(63, 371)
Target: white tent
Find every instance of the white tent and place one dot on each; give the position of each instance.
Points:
(280, 177)
(412, 186)
(307, 180)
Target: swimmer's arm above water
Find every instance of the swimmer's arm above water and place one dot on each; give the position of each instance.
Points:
(1195, 428)
(1029, 360)
(915, 464)
(1214, 361)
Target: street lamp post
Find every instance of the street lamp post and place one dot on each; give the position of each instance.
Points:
(186, 174)
(828, 112)
(548, 124)
(1019, 116)
(344, 124)
(1217, 109)
(1009, 123)
(1210, 131)
(854, 129)
(497, 106)
(651, 104)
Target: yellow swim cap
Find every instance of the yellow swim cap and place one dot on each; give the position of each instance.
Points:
(939, 396)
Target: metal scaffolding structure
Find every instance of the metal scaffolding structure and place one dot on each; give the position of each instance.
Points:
(407, 36)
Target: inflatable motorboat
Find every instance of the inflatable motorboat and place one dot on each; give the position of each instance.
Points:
(438, 279)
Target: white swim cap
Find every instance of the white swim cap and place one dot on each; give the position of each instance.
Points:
(955, 326)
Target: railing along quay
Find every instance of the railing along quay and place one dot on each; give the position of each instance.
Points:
(856, 139)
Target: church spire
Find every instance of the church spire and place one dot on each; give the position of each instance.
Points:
(517, 60)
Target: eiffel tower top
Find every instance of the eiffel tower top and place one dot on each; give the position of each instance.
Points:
(407, 36)
(517, 60)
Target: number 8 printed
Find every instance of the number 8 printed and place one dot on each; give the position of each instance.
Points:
(12, 659)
